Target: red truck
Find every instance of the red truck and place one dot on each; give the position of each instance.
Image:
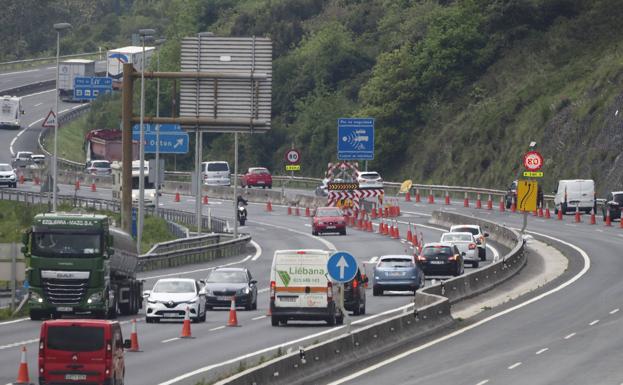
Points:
(257, 176)
(81, 352)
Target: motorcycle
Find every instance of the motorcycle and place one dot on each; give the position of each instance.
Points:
(242, 215)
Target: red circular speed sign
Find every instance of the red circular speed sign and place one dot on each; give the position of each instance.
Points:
(293, 156)
(533, 161)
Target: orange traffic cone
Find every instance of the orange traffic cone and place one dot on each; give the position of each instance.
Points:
(608, 220)
(466, 201)
(408, 196)
(431, 197)
(447, 198)
(269, 206)
(205, 199)
(501, 204)
(560, 215)
(186, 325)
(36, 181)
(547, 213)
(369, 227)
(289, 210)
(478, 202)
(490, 203)
(593, 217)
(77, 185)
(22, 373)
(577, 215)
(409, 234)
(21, 179)
(297, 211)
(417, 196)
(134, 338)
(177, 196)
(93, 187)
(373, 214)
(233, 320)
(396, 232)
(307, 211)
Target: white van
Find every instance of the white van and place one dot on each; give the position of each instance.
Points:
(300, 288)
(575, 192)
(215, 173)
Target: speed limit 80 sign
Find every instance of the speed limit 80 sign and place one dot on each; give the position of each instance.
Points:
(293, 156)
(533, 161)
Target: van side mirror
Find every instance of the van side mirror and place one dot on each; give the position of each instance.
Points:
(127, 344)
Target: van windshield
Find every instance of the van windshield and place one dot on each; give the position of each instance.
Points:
(218, 167)
(75, 338)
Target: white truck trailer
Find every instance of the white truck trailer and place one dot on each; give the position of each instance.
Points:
(68, 71)
(116, 58)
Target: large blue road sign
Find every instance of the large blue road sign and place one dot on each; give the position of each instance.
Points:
(89, 88)
(149, 127)
(170, 142)
(342, 267)
(355, 139)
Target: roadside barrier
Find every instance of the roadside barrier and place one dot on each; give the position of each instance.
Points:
(134, 338)
(22, 372)
(186, 325)
(233, 319)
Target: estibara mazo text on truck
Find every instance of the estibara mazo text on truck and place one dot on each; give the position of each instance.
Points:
(73, 268)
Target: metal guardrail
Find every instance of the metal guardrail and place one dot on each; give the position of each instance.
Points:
(63, 118)
(26, 62)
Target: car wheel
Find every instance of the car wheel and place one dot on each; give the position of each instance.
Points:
(249, 306)
(204, 315)
(482, 253)
(36, 315)
(376, 291)
(357, 309)
(343, 232)
(314, 233)
(363, 309)
(208, 307)
(270, 186)
(274, 321)
(475, 264)
(283, 321)
(148, 320)
(331, 320)
(339, 320)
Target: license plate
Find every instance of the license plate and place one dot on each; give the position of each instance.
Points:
(396, 273)
(75, 377)
(287, 299)
(437, 262)
(260, 182)
(330, 227)
(64, 308)
(223, 298)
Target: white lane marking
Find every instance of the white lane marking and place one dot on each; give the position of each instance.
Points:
(614, 311)
(14, 321)
(217, 328)
(197, 270)
(17, 72)
(19, 343)
(482, 382)
(258, 250)
(374, 259)
(38, 93)
(38, 104)
(595, 322)
(542, 351)
(329, 245)
(260, 317)
(587, 265)
(513, 366)
(307, 225)
(263, 290)
(170, 339)
(569, 336)
(50, 68)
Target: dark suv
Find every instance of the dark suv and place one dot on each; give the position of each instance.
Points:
(613, 204)
(355, 294)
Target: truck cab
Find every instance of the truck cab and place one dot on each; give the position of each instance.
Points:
(150, 187)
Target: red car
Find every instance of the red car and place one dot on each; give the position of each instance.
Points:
(328, 220)
(257, 176)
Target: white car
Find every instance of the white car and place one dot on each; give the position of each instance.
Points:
(170, 297)
(479, 235)
(466, 244)
(369, 179)
(7, 175)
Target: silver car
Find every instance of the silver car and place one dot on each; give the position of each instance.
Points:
(170, 297)
(466, 243)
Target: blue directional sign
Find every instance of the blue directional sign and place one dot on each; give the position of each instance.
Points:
(355, 139)
(149, 127)
(170, 142)
(342, 267)
(89, 88)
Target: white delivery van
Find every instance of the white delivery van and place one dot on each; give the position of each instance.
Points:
(300, 288)
(572, 193)
(215, 173)
(11, 112)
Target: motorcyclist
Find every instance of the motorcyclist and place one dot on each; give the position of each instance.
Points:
(240, 200)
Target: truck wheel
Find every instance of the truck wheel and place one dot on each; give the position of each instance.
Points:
(36, 315)
(377, 291)
(274, 321)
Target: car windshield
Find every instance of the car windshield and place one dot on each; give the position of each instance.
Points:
(148, 185)
(227, 276)
(370, 175)
(618, 198)
(101, 164)
(437, 250)
(25, 155)
(328, 213)
(75, 338)
(218, 167)
(174, 287)
(456, 237)
(259, 171)
(395, 262)
(66, 244)
(472, 230)
(5, 167)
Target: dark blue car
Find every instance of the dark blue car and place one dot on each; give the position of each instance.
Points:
(397, 272)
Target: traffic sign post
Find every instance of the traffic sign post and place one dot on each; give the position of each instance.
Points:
(89, 88)
(342, 267)
(355, 139)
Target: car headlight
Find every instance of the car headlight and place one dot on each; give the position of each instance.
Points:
(36, 297)
(95, 298)
(194, 300)
(152, 194)
(375, 277)
(149, 300)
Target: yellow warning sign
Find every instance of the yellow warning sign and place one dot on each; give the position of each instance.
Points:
(526, 195)
(533, 174)
(345, 203)
(405, 186)
(293, 167)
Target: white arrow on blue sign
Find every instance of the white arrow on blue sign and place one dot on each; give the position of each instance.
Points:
(170, 142)
(342, 267)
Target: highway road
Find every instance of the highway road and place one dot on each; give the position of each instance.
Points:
(17, 78)
(567, 335)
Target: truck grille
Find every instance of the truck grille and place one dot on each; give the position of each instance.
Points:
(65, 291)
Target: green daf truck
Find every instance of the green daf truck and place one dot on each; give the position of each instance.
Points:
(79, 264)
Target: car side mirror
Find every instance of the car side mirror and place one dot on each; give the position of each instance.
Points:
(253, 282)
(203, 281)
(146, 293)
(127, 344)
(486, 235)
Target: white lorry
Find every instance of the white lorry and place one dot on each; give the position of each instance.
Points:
(68, 71)
(150, 188)
(116, 58)
(11, 112)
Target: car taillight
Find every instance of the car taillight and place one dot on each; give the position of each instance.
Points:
(472, 246)
(421, 258)
(272, 289)
(355, 283)
(452, 258)
(329, 291)
(108, 349)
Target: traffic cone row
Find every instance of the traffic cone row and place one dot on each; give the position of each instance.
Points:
(269, 206)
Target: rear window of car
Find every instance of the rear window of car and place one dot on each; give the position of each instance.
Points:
(395, 262)
(218, 167)
(437, 250)
(370, 175)
(259, 171)
(100, 164)
(328, 213)
(75, 338)
(227, 276)
(472, 230)
(24, 155)
(456, 238)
